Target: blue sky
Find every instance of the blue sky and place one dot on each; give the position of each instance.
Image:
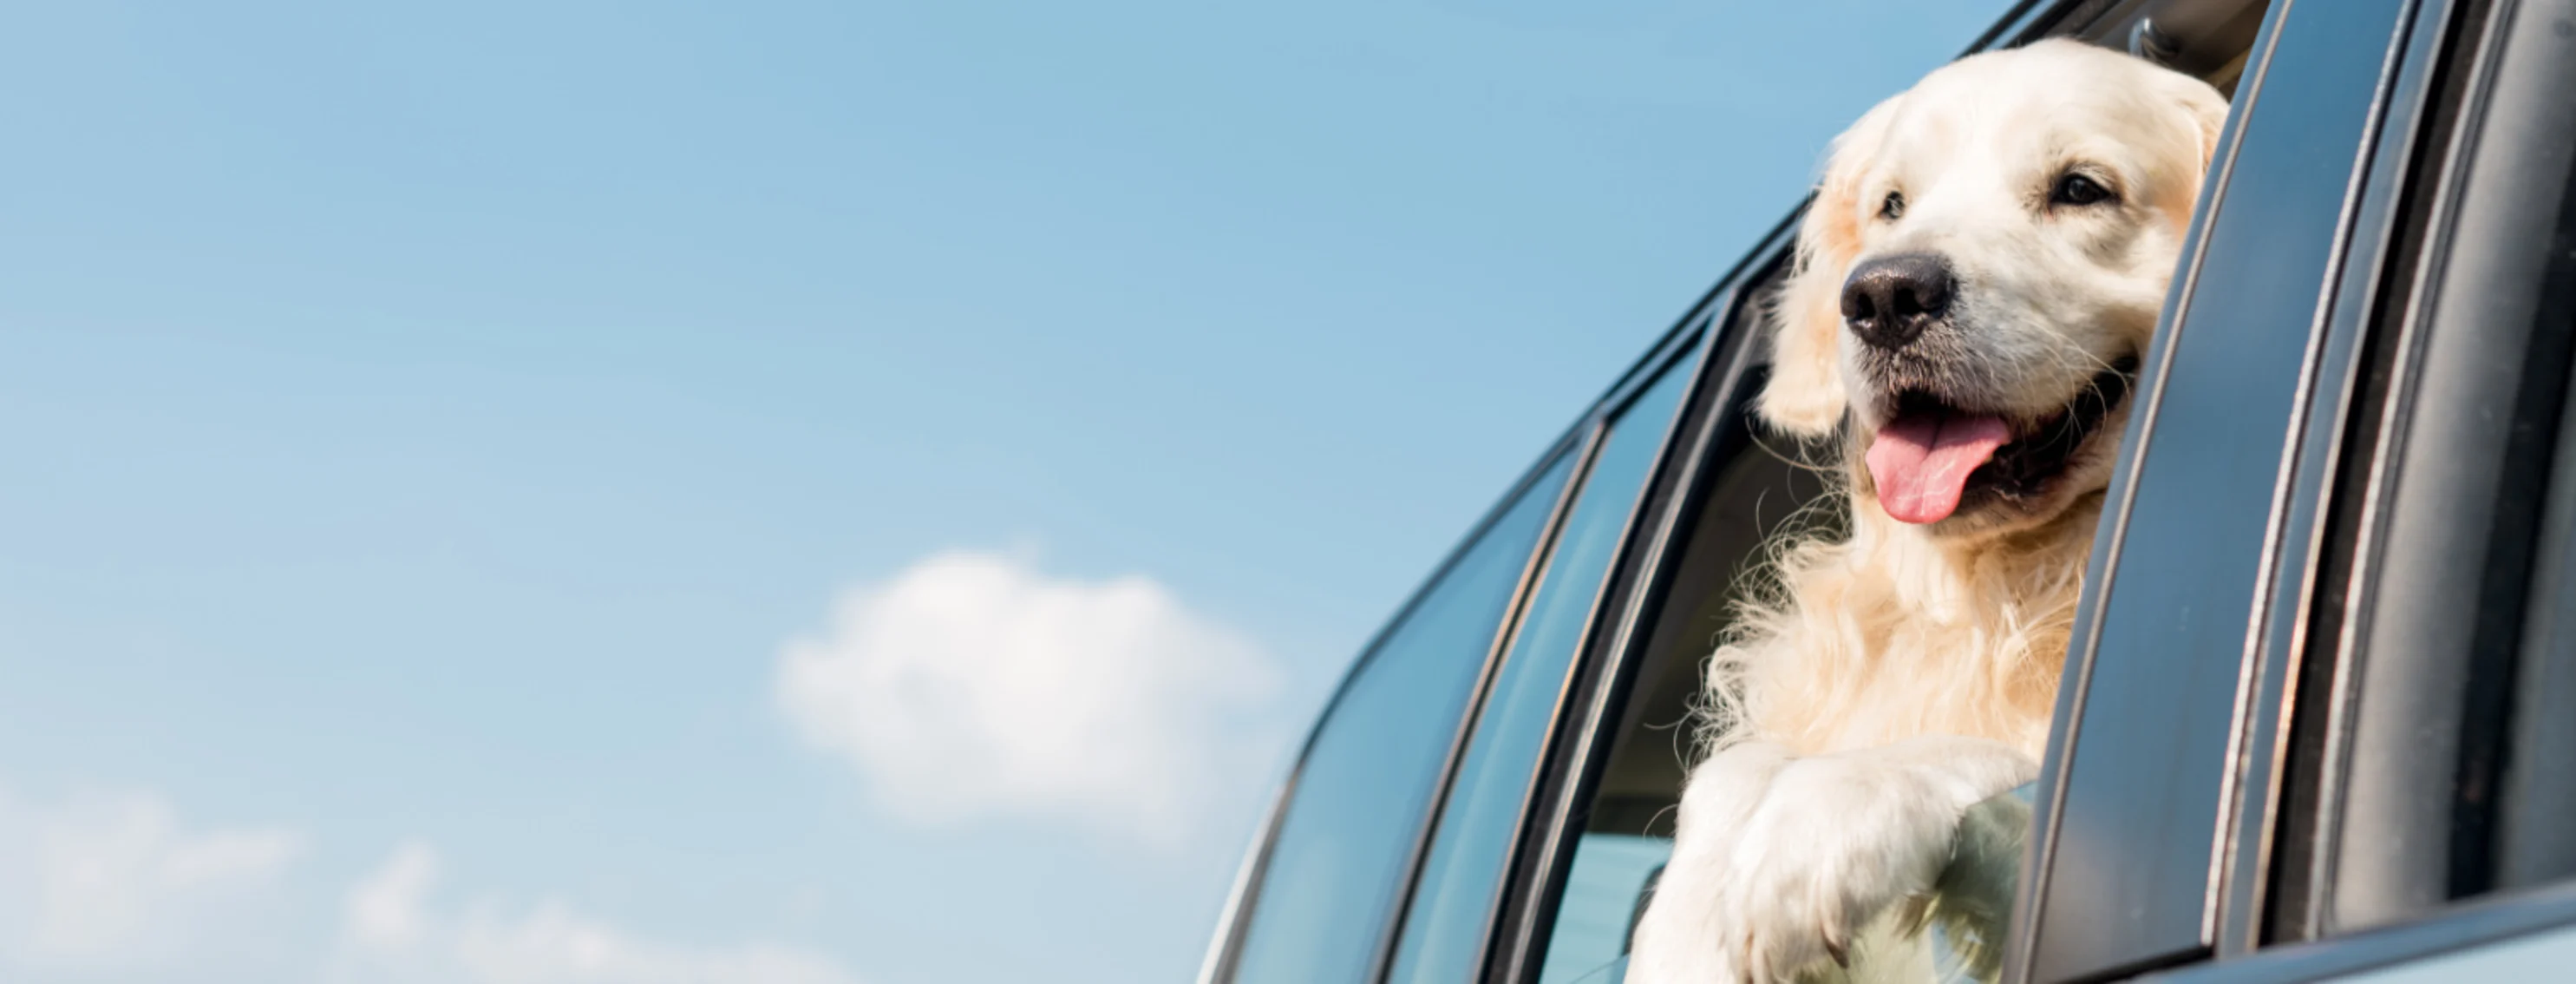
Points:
(545, 491)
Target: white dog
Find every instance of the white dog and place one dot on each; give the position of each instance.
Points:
(1975, 284)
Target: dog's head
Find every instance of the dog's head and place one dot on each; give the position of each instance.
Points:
(1980, 273)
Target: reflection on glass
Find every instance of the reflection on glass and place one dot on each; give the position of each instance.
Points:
(1972, 903)
(1444, 931)
(1363, 792)
(1604, 891)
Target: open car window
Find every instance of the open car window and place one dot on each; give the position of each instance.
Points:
(1602, 858)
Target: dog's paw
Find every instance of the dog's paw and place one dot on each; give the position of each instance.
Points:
(1675, 937)
(1817, 851)
(1840, 840)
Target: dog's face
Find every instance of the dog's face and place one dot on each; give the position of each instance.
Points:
(1980, 274)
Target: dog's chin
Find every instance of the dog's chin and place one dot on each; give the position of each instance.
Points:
(2053, 462)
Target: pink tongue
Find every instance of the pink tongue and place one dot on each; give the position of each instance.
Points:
(1922, 461)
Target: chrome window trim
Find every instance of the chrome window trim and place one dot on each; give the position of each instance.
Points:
(1219, 961)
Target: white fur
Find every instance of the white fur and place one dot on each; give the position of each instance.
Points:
(1897, 677)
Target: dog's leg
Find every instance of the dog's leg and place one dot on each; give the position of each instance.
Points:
(1803, 853)
(1676, 937)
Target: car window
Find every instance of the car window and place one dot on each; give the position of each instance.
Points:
(1761, 494)
(1444, 929)
(1758, 493)
(1755, 490)
(1360, 796)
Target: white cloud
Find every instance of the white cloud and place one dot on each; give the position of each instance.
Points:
(389, 910)
(390, 934)
(972, 684)
(112, 880)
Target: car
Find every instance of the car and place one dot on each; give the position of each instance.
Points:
(2318, 718)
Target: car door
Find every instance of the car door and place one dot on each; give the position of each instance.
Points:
(2213, 530)
(2397, 804)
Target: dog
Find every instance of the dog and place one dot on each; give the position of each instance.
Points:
(1972, 291)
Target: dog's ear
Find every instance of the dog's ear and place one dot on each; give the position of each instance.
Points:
(2207, 110)
(1805, 393)
(2202, 113)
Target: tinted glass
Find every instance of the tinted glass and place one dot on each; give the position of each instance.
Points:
(1445, 929)
(1364, 790)
(1985, 867)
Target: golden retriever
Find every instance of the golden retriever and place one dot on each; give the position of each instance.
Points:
(1974, 286)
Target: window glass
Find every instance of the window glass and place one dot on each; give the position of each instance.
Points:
(1444, 930)
(1363, 792)
(1604, 894)
(1627, 827)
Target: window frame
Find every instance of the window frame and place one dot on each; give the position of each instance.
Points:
(2436, 387)
(1700, 334)
(1684, 341)
(1602, 673)
(2205, 650)
(1235, 919)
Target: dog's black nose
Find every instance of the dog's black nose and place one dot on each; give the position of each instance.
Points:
(1890, 300)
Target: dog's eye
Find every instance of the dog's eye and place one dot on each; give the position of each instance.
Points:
(2076, 189)
(1893, 208)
